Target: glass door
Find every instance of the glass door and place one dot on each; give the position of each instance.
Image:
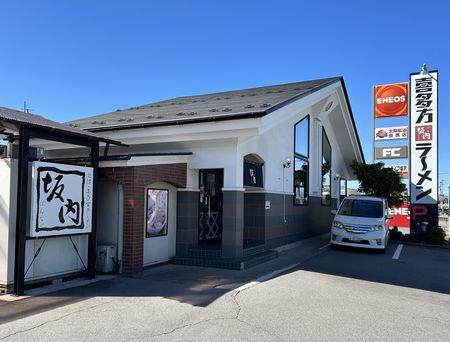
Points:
(210, 206)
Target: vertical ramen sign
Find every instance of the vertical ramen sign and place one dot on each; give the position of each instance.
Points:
(61, 199)
(424, 149)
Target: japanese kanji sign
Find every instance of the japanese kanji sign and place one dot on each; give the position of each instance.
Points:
(391, 133)
(61, 199)
(423, 133)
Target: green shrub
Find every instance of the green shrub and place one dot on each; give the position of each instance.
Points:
(436, 236)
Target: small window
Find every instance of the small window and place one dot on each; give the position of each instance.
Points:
(300, 181)
(326, 169)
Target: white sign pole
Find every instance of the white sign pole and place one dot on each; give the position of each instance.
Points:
(424, 137)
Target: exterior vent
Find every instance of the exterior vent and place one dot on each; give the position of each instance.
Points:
(226, 110)
(265, 105)
(192, 113)
(150, 117)
(180, 114)
(249, 106)
(214, 110)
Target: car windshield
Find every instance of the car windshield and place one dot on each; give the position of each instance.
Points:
(361, 208)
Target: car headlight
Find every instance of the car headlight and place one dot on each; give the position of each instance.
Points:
(337, 224)
(377, 227)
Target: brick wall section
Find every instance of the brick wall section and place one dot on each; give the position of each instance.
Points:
(134, 179)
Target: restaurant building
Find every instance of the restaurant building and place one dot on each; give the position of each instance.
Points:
(215, 180)
(221, 179)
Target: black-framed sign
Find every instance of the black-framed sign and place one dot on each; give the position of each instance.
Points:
(253, 174)
(61, 199)
(156, 219)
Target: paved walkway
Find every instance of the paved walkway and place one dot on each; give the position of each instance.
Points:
(196, 286)
(310, 293)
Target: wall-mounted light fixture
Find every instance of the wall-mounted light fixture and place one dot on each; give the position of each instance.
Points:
(287, 163)
(336, 176)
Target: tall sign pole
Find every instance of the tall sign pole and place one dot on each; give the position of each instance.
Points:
(391, 101)
(423, 126)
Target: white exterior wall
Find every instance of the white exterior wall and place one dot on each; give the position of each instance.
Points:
(276, 142)
(273, 145)
(57, 255)
(8, 198)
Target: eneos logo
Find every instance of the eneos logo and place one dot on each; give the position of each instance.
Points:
(391, 100)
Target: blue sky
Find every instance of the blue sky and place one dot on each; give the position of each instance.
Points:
(70, 59)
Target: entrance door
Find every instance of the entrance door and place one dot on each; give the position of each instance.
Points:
(210, 206)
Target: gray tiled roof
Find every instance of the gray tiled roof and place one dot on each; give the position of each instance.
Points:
(224, 105)
(32, 120)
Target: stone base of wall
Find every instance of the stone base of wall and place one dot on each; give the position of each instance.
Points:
(250, 230)
(285, 222)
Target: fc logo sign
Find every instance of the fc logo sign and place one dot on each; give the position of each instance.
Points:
(391, 152)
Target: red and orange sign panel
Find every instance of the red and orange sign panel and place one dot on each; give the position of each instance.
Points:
(391, 100)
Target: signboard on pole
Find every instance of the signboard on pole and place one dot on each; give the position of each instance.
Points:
(391, 152)
(424, 150)
(61, 199)
(402, 169)
(391, 133)
(390, 100)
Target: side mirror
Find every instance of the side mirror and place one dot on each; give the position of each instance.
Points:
(334, 212)
(389, 217)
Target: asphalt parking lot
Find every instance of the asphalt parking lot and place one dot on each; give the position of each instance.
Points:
(425, 268)
(321, 295)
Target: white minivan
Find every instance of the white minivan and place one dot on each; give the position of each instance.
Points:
(361, 221)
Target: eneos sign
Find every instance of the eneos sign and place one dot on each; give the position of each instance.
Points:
(401, 218)
(391, 100)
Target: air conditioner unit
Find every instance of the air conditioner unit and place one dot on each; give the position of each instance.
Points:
(105, 258)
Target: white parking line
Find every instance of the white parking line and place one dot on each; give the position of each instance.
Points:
(324, 246)
(241, 287)
(397, 252)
